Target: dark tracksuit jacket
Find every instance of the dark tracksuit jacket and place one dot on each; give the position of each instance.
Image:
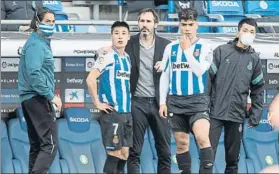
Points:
(233, 73)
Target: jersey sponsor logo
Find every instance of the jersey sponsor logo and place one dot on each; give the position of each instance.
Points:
(125, 75)
(9, 64)
(182, 66)
(225, 4)
(79, 120)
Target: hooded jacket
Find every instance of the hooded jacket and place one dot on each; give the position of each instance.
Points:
(234, 73)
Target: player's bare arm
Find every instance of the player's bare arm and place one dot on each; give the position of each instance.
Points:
(92, 87)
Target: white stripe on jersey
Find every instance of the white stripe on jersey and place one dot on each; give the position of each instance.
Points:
(178, 73)
(201, 85)
(112, 87)
(124, 96)
(105, 100)
(190, 82)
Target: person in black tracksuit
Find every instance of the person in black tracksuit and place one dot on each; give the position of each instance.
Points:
(236, 70)
(146, 51)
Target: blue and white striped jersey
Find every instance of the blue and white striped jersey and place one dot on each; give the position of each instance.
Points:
(114, 81)
(184, 72)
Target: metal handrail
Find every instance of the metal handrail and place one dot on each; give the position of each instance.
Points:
(135, 23)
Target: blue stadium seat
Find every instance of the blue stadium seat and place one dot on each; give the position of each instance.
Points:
(6, 152)
(229, 29)
(263, 8)
(80, 142)
(204, 29)
(21, 146)
(226, 11)
(220, 163)
(261, 148)
(55, 6)
(193, 150)
(63, 28)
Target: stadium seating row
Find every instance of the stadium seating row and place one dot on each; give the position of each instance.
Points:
(81, 149)
(219, 11)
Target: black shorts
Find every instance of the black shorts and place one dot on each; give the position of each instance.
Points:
(185, 110)
(184, 122)
(117, 130)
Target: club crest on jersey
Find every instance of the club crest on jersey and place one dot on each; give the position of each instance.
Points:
(115, 139)
(173, 53)
(181, 66)
(122, 75)
(197, 53)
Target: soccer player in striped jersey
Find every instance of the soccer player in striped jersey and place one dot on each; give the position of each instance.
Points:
(182, 92)
(113, 98)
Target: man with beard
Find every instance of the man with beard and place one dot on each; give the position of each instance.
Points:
(146, 51)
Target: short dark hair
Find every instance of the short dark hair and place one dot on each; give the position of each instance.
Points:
(188, 14)
(39, 16)
(150, 10)
(248, 21)
(119, 24)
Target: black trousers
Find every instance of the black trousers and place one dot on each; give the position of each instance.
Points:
(145, 113)
(232, 140)
(42, 132)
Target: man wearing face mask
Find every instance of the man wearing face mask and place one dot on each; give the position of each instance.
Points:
(36, 91)
(235, 70)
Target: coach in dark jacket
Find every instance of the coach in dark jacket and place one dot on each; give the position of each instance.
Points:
(18, 10)
(235, 70)
(146, 50)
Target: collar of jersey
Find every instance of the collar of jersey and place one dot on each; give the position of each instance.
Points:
(115, 50)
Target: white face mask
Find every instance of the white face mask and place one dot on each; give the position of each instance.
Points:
(247, 39)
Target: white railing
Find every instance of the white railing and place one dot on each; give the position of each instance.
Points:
(135, 23)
